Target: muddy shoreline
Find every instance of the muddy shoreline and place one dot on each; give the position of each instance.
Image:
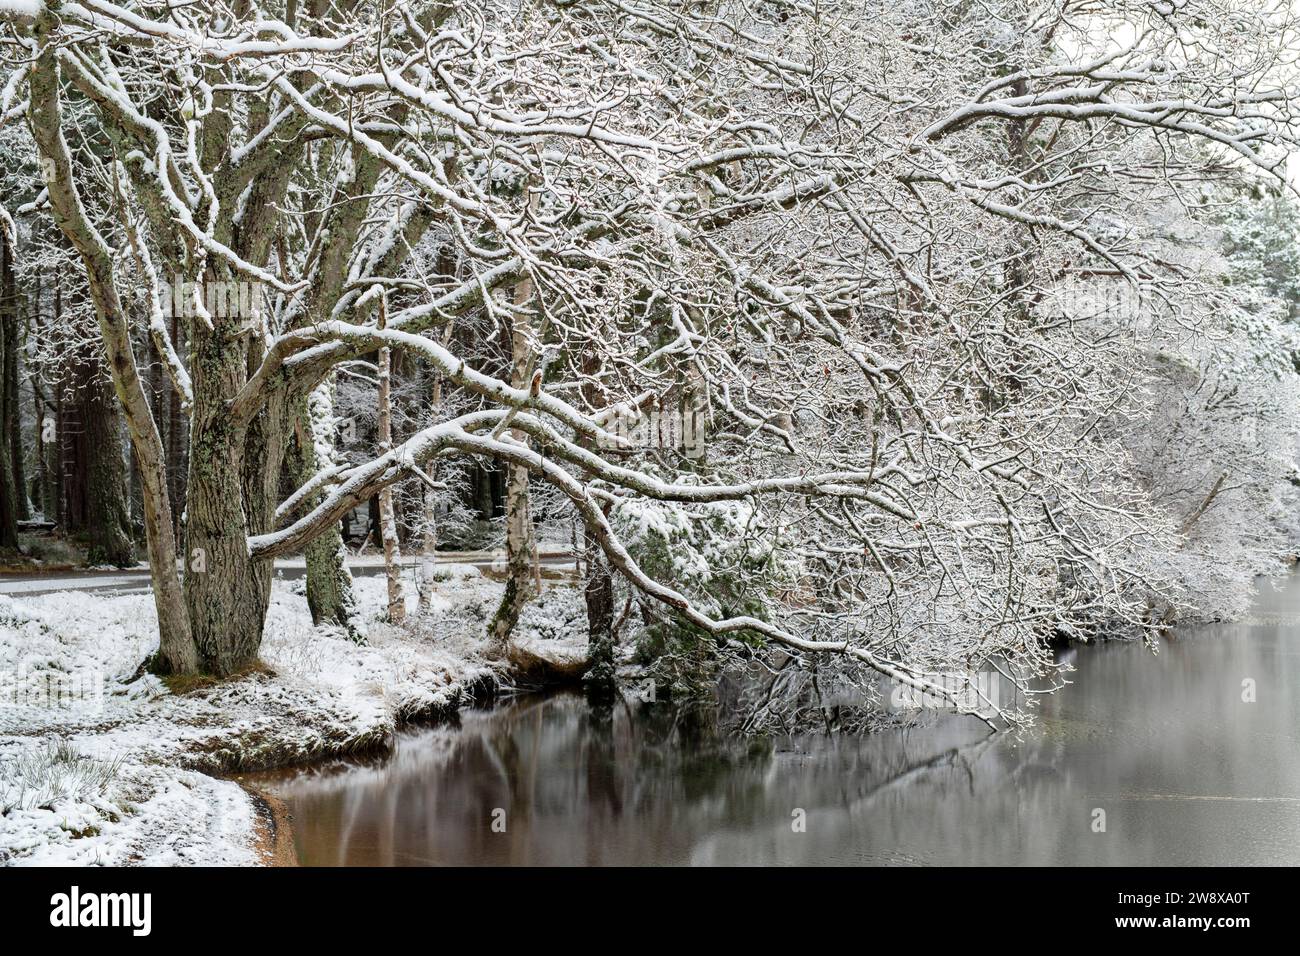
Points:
(272, 827)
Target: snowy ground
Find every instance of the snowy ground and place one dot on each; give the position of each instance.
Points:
(102, 764)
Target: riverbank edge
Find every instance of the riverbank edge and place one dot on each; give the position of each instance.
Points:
(272, 821)
(272, 828)
(225, 762)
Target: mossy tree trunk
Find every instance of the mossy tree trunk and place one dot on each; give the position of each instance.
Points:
(330, 596)
(523, 571)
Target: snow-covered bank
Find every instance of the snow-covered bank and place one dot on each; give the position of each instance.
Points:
(101, 763)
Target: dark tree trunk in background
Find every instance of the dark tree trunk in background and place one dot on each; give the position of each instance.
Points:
(487, 492)
(72, 449)
(51, 426)
(10, 486)
(55, 435)
(372, 523)
(17, 460)
(38, 480)
(108, 519)
(91, 465)
(44, 494)
(598, 589)
(12, 310)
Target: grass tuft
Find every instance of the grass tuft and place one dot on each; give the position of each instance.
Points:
(52, 774)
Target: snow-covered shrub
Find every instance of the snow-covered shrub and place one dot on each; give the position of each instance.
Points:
(557, 614)
(726, 557)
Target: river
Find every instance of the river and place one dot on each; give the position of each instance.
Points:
(1189, 761)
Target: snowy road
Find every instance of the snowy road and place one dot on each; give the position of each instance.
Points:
(136, 580)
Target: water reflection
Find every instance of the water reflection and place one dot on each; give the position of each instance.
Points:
(1187, 771)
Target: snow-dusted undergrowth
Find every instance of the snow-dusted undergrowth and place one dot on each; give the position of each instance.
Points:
(101, 763)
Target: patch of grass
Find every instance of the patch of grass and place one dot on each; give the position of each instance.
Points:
(189, 683)
(48, 549)
(41, 552)
(51, 774)
(265, 748)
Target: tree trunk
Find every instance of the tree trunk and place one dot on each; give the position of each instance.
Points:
(599, 594)
(598, 587)
(428, 541)
(73, 455)
(226, 593)
(176, 650)
(11, 309)
(91, 467)
(17, 461)
(523, 582)
(330, 596)
(521, 551)
(387, 524)
(10, 488)
(429, 528)
(41, 489)
(481, 492)
(176, 426)
(41, 407)
(108, 519)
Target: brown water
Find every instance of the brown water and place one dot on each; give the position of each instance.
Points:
(1185, 770)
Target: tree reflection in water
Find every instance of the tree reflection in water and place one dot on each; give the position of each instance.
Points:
(582, 784)
(1187, 772)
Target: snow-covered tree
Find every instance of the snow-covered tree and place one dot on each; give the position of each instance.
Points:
(827, 227)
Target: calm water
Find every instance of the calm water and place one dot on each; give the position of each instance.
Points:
(1186, 772)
